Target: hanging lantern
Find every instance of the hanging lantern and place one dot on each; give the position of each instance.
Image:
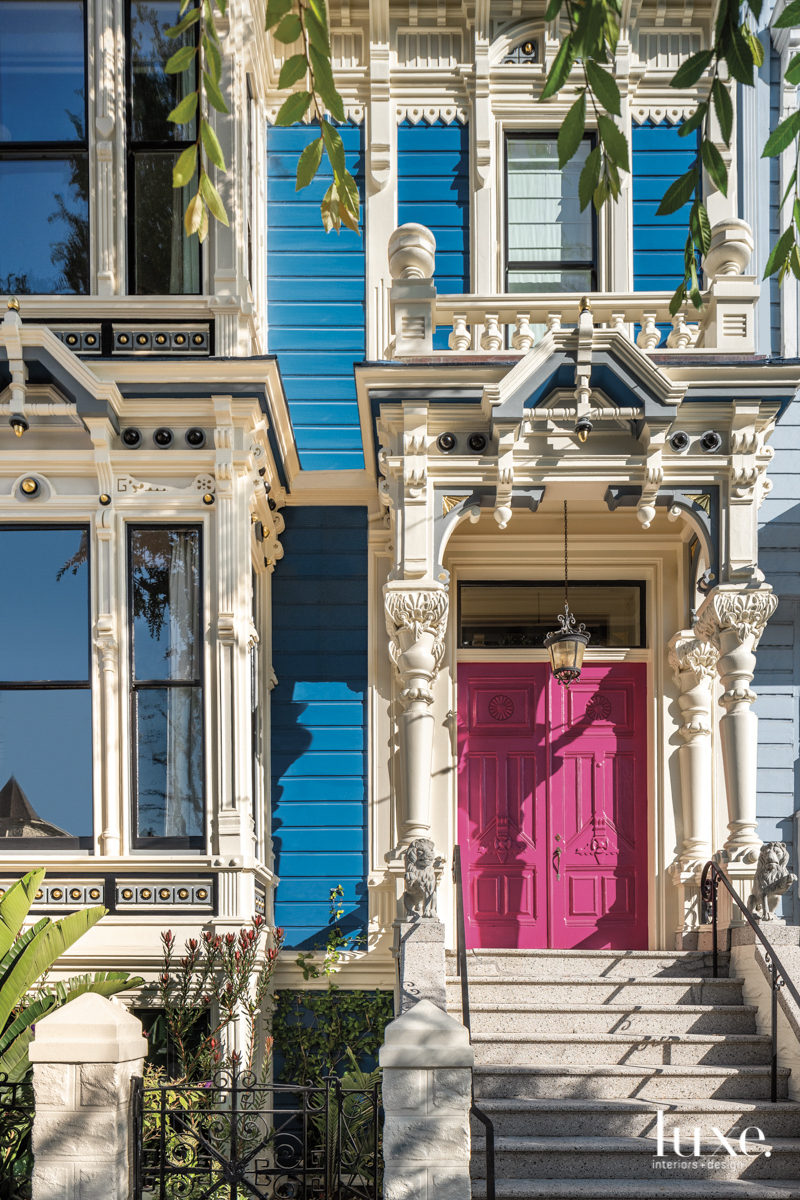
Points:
(567, 644)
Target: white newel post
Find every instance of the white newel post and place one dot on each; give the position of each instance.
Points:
(84, 1056)
(734, 620)
(694, 663)
(416, 619)
(427, 1085)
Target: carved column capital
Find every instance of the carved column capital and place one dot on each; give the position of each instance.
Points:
(744, 612)
(692, 655)
(416, 619)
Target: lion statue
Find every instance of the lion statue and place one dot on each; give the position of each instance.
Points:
(773, 878)
(422, 875)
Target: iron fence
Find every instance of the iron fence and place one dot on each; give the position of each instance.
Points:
(236, 1137)
(16, 1126)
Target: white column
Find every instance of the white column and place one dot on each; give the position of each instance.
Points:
(733, 619)
(427, 1076)
(84, 1057)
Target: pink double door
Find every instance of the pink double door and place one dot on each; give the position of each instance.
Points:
(552, 817)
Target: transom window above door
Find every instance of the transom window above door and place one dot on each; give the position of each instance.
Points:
(550, 243)
(520, 615)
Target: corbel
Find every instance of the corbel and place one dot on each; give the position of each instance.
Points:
(380, 113)
(452, 504)
(681, 502)
(507, 439)
(583, 366)
(12, 327)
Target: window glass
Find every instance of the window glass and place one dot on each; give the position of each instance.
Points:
(42, 71)
(44, 605)
(166, 261)
(170, 762)
(165, 576)
(519, 615)
(545, 224)
(155, 93)
(46, 748)
(46, 202)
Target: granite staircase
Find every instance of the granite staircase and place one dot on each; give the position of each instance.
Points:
(577, 1051)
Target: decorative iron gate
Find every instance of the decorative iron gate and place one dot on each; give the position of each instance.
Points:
(236, 1137)
(16, 1123)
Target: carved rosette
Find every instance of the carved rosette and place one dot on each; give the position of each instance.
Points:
(416, 620)
(744, 612)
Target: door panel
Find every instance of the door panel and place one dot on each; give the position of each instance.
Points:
(553, 806)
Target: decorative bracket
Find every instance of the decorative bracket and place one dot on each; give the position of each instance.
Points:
(452, 504)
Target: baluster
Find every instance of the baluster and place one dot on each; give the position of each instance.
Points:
(460, 338)
(492, 337)
(649, 336)
(681, 335)
(523, 334)
(618, 323)
(553, 322)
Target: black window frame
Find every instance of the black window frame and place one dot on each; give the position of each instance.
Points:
(542, 264)
(59, 151)
(61, 685)
(133, 146)
(641, 584)
(194, 842)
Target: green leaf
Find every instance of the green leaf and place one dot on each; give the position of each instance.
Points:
(553, 9)
(210, 29)
(349, 199)
(559, 72)
(324, 85)
(780, 252)
(588, 35)
(615, 142)
(789, 187)
(700, 226)
(792, 73)
(293, 108)
(213, 199)
(193, 216)
(213, 59)
(317, 33)
(739, 56)
(756, 48)
(676, 303)
(590, 177)
(180, 60)
(694, 121)
(790, 16)
(15, 905)
(712, 161)
(184, 168)
(783, 136)
(604, 86)
(696, 298)
(723, 108)
(289, 29)
(215, 96)
(335, 147)
(183, 112)
(212, 146)
(190, 19)
(679, 193)
(794, 261)
(293, 69)
(275, 10)
(600, 195)
(308, 163)
(330, 209)
(570, 135)
(796, 213)
(689, 72)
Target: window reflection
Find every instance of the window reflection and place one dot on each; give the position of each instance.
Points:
(155, 93)
(165, 571)
(42, 71)
(166, 261)
(170, 762)
(46, 203)
(522, 614)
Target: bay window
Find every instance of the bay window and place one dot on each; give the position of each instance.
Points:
(44, 160)
(45, 688)
(166, 647)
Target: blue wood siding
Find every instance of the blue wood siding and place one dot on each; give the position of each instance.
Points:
(433, 189)
(774, 200)
(315, 294)
(319, 723)
(659, 157)
(777, 678)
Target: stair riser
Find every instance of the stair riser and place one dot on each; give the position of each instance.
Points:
(563, 1123)
(637, 1054)
(545, 965)
(569, 992)
(635, 1164)
(625, 1189)
(730, 1018)
(520, 1086)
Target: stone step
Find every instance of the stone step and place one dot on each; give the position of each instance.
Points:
(576, 963)
(633, 1117)
(528, 1019)
(608, 1082)
(553, 1049)
(634, 1158)
(565, 992)
(638, 1189)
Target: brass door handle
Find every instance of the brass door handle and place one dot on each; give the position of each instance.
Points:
(557, 864)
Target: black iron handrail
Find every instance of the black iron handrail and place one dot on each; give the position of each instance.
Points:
(779, 976)
(461, 971)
